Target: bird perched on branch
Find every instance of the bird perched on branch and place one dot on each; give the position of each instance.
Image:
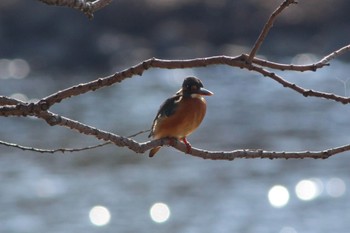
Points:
(181, 114)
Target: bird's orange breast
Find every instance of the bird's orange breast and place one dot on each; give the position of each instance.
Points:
(187, 117)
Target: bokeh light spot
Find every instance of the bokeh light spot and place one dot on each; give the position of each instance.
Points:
(335, 187)
(278, 196)
(308, 190)
(159, 212)
(99, 215)
(19, 68)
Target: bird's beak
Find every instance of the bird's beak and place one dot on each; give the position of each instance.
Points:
(204, 91)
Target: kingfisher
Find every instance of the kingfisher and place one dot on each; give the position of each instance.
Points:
(180, 114)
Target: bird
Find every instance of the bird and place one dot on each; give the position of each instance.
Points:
(181, 114)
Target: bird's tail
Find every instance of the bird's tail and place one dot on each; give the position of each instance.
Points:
(153, 151)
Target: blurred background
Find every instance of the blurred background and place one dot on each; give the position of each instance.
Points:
(44, 49)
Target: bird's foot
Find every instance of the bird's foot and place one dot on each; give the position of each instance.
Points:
(188, 146)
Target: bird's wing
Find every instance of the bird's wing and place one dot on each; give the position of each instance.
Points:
(166, 109)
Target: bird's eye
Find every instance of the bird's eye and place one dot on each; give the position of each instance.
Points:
(194, 88)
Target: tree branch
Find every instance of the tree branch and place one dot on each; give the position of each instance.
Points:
(238, 61)
(54, 119)
(11, 107)
(86, 6)
(335, 54)
(304, 92)
(267, 28)
(51, 151)
(290, 67)
(7, 101)
(214, 155)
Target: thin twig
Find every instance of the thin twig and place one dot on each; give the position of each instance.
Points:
(267, 28)
(138, 133)
(335, 54)
(299, 89)
(291, 67)
(63, 150)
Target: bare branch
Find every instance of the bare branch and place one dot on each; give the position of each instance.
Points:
(51, 151)
(335, 54)
(283, 67)
(54, 119)
(138, 133)
(304, 92)
(23, 109)
(204, 154)
(138, 70)
(251, 154)
(12, 107)
(267, 28)
(312, 67)
(4, 100)
(238, 61)
(88, 7)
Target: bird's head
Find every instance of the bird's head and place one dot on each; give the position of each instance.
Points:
(192, 86)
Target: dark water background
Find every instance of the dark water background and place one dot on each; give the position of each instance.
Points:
(56, 193)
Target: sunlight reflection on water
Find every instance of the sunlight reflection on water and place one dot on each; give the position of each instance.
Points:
(335, 187)
(307, 190)
(159, 212)
(99, 215)
(278, 196)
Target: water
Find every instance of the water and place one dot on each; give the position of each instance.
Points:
(56, 193)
